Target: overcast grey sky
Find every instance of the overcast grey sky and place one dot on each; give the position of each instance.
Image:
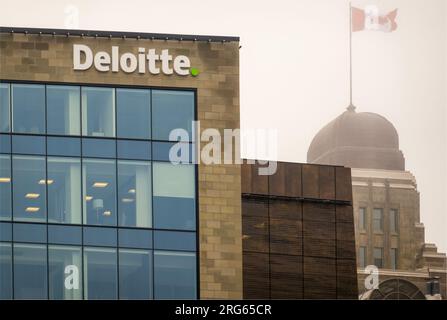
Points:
(294, 69)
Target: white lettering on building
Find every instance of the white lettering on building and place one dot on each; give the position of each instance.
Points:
(151, 61)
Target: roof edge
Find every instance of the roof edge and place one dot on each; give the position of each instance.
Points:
(118, 34)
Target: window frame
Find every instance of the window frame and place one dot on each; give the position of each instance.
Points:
(374, 219)
(116, 138)
(381, 257)
(394, 220)
(363, 216)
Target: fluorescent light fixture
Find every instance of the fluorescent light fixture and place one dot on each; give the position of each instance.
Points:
(88, 198)
(49, 181)
(132, 191)
(5, 180)
(100, 184)
(107, 213)
(32, 209)
(32, 195)
(127, 200)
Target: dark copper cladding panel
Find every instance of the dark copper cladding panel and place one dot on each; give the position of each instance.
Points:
(298, 233)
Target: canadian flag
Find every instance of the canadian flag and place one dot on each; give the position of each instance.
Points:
(371, 19)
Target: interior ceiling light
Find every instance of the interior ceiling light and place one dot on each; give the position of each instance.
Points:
(32, 195)
(100, 184)
(32, 209)
(49, 181)
(5, 180)
(107, 213)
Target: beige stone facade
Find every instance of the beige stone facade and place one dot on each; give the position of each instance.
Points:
(49, 58)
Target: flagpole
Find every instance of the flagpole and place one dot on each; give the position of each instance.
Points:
(350, 56)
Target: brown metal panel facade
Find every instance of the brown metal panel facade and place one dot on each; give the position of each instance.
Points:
(298, 233)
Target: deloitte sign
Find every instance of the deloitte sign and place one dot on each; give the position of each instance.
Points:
(146, 61)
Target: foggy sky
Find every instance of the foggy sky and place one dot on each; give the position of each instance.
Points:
(294, 69)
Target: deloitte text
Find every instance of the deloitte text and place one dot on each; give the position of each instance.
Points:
(145, 61)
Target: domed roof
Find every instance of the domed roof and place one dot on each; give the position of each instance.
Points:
(358, 140)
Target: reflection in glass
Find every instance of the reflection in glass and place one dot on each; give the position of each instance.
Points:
(65, 272)
(5, 187)
(135, 270)
(174, 196)
(5, 271)
(29, 194)
(64, 194)
(171, 110)
(133, 113)
(100, 273)
(99, 184)
(30, 271)
(63, 110)
(4, 107)
(175, 275)
(28, 108)
(134, 194)
(98, 112)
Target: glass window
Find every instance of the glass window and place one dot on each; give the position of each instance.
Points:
(65, 272)
(174, 196)
(134, 238)
(98, 112)
(30, 271)
(99, 191)
(171, 110)
(57, 146)
(4, 107)
(378, 257)
(180, 151)
(393, 220)
(101, 148)
(97, 236)
(28, 108)
(59, 234)
(29, 188)
(378, 220)
(63, 110)
(172, 240)
(5, 187)
(135, 272)
(5, 231)
(138, 150)
(5, 271)
(64, 194)
(29, 232)
(362, 218)
(362, 257)
(175, 275)
(134, 194)
(393, 256)
(133, 113)
(28, 145)
(100, 273)
(5, 143)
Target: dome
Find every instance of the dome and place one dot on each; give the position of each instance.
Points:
(358, 140)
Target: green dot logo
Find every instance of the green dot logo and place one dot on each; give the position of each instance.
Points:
(194, 72)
